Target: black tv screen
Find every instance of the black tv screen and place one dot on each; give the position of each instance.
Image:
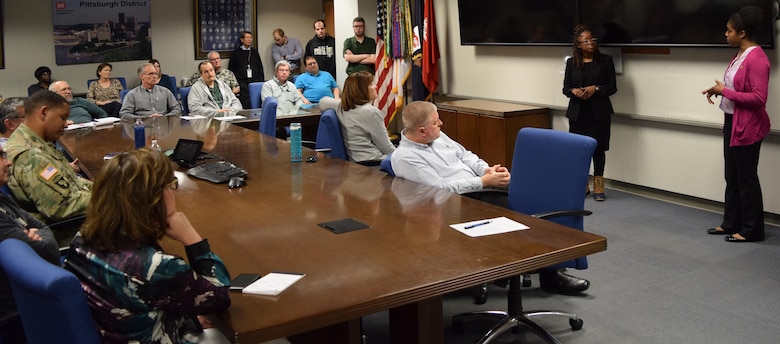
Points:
(666, 23)
(669, 22)
(517, 22)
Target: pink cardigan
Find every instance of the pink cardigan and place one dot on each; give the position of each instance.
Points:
(751, 86)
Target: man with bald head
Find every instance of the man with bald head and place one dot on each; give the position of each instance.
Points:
(42, 181)
(81, 109)
(223, 74)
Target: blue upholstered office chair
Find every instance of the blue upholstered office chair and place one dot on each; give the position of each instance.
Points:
(387, 165)
(51, 303)
(183, 93)
(255, 88)
(175, 85)
(549, 169)
(329, 135)
(293, 77)
(121, 81)
(122, 95)
(268, 117)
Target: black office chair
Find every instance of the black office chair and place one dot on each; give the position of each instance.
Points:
(549, 169)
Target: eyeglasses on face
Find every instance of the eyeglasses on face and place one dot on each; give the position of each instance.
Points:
(174, 185)
(3, 155)
(588, 41)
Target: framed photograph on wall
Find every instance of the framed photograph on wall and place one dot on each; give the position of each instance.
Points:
(2, 44)
(219, 23)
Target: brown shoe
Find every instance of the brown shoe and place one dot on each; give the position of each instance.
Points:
(598, 188)
(587, 190)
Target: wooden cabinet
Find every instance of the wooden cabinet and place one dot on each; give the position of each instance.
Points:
(489, 128)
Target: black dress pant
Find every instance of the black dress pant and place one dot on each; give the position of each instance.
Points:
(744, 205)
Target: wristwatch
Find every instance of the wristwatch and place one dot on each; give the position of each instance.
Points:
(598, 89)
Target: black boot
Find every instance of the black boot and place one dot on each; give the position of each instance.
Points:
(555, 281)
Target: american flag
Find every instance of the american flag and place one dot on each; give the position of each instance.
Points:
(393, 52)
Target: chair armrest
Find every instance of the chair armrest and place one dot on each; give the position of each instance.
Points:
(72, 222)
(492, 196)
(370, 162)
(561, 213)
(309, 144)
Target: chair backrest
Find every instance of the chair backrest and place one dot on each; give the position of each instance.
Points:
(50, 301)
(121, 81)
(255, 88)
(183, 93)
(122, 94)
(268, 117)
(549, 172)
(293, 77)
(387, 165)
(329, 135)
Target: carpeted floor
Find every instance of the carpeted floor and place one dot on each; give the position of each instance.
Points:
(661, 280)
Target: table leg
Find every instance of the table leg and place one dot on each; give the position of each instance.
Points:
(418, 323)
(342, 333)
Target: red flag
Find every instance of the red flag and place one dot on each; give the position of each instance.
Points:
(430, 50)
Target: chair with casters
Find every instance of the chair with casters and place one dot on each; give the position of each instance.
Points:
(51, 304)
(183, 93)
(255, 88)
(122, 95)
(268, 117)
(550, 168)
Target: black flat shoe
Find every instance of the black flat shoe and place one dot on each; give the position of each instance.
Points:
(715, 231)
(731, 238)
(556, 281)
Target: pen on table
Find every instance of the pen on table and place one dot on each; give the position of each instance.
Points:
(476, 225)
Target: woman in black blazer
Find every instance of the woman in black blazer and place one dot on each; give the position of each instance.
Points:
(589, 81)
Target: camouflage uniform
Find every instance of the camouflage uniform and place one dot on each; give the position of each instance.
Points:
(42, 181)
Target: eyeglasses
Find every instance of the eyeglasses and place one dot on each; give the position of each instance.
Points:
(3, 155)
(588, 41)
(174, 185)
(358, 26)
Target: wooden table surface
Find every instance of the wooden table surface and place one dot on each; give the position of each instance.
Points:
(408, 256)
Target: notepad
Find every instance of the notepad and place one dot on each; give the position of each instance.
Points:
(193, 117)
(229, 118)
(273, 283)
(496, 225)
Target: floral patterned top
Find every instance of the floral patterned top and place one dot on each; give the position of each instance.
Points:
(97, 93)
(147, 296)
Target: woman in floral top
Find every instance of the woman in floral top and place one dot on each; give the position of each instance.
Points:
(105, 91)
(136, 291)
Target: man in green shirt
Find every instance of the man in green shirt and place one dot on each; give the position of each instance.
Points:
(81, 109)
(359, 51)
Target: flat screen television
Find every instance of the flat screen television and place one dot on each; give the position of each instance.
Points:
(669, 23)
(663, 23)
(517, 22)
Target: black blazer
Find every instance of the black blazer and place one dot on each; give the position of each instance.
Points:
(604, 77)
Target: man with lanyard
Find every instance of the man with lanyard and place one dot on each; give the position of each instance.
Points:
(245, 63)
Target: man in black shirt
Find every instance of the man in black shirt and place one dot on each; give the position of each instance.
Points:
(323, 47)
(245, 63)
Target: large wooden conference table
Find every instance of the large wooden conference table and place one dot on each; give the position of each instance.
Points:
(404, 263)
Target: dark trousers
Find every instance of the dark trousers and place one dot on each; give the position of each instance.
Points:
(744, 205)
(243, 95)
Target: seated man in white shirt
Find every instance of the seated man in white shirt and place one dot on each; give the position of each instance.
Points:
(149, 99)
(281, 88)
(210, 94)
(428, 156)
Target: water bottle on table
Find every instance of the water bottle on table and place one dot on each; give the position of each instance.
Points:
(296, 151)
(140, 133)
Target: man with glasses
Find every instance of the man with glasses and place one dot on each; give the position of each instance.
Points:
(81, 109)
(287, 49)
(223, 74)
(316, 83)
(149, 99)
(359, 51)
(42, 181)
(11, 116)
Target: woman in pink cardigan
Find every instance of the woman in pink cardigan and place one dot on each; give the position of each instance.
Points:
(746, 123)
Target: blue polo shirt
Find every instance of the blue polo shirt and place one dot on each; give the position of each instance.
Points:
(316, 86)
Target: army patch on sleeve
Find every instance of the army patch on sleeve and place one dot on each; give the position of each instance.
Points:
(48, 172)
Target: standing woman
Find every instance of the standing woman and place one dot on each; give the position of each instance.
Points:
(105, 91)
(164, 80)
(589, 81)
(362, 124)
(744, 89)
(137, 292)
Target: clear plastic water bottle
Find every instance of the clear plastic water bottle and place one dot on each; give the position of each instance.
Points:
(140, 133)
(155, 146)
(296, 151)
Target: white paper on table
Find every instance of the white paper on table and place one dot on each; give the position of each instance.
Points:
(193, 117)
(492, 226)
(273, 283)
(229, 118)
(106, 121)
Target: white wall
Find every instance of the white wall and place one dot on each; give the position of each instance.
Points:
(679, 158)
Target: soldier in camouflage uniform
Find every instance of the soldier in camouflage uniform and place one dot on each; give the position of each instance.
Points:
(42, 181)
